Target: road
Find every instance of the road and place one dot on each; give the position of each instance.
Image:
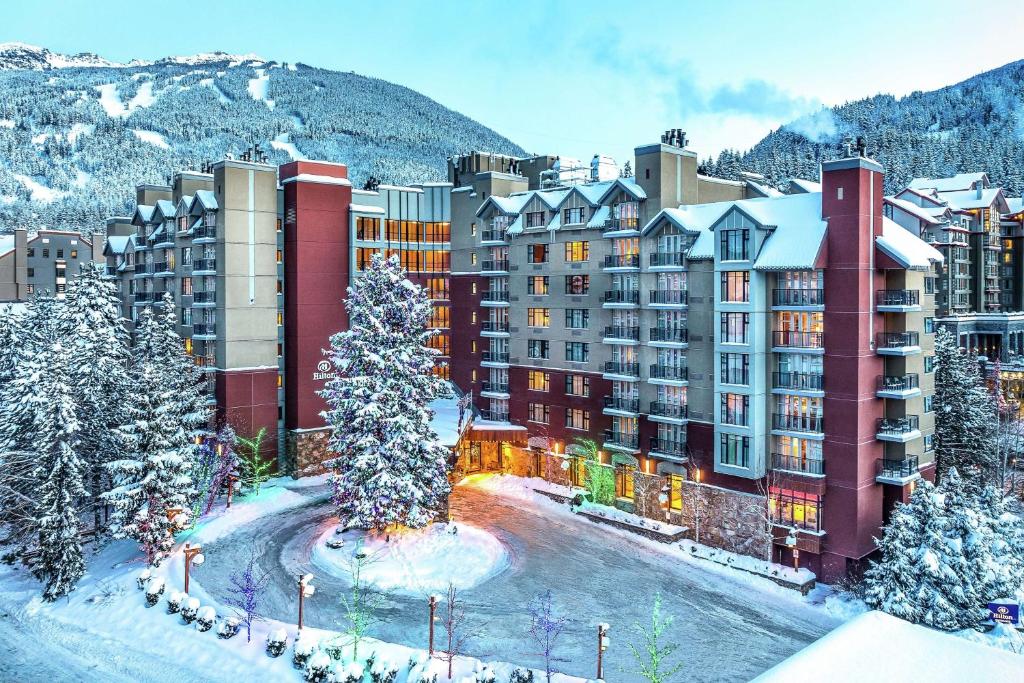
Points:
(726, 630)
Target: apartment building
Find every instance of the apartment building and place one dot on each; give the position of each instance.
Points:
(212, 242)
(42, 262)
(700, 329)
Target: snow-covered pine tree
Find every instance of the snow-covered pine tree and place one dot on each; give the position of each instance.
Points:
(389, 467)
(964, 413)
(969, 545)
(892, 584)
(1005, 534)
(59, 474)
(90, 323)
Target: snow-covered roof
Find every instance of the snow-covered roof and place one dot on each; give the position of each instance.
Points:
(551, 198)
(690, 217)
(972, 199)
(762, 189)
(366, 208)
(799, 231)
(600, 217)
(117, 244)
(627, 185)
(510, 205)
(1016, 204)
(878, 647)
(960, 181)
(445, 422)
(165, 208)
(905, 248)
(926, 215)
(143, 213)
(516, 227)
(799, 185)
(185, 204)
(207, 199)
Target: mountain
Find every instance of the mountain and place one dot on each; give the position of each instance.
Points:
(78, 132)
(976, 125)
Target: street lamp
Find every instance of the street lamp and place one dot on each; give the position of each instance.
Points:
(432, 603)
(193, 555)
(232, 479)
(306, 589)
(602, 645)
(791, 544)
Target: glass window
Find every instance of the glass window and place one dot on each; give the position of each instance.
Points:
(735, 409)
(577, 352)
(537, 284)
(368, 228)
(576, 418)
(735, 450)
(795, 508)
(736, 286)
(540, 412)
(186, 286)
(574, 215)
(735, 327)
(537, 253)
(735, 368)
(537, 348)
(535, 219)
(577, 385)
(539, 381)
(538, 317)
(577, 318)
(735, 245)
(577, 284)
(577, 251)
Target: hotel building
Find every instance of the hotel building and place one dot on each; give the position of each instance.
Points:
(42, 262)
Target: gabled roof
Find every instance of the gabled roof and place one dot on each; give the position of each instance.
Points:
(509, 206)
(762, 189)
(801, 186)
(930, 217)
(6, 244)
(907, 249)
(205, 198)
(117, 244)
(600, 217)
(578, 190)
(143, 214)
(164, 208)
(960, 181)
(185, 204)
(798, 234)
(972, 199)
(551, 198)
(627, 185)
(929, 196)
(1015, 204)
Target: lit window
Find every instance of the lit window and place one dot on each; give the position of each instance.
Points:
(538, 317)
(577, 251)
(539, 381)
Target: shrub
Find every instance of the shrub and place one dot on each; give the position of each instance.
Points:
(352, 673)
(521, 676)
(144, 576)
(317, 668)
(304, 648)
(229, 627)
(277, 641)
(175, 600)
(383, 672)
(205, 618)
(189, 610)
(154, 590)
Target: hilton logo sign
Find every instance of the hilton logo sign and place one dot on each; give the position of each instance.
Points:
(324, 371)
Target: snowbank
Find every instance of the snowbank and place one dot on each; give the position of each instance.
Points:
(879, 647)
(152, 137)
(417, 562)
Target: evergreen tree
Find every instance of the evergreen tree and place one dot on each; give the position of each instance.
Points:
(59, 476)
(964, 413)
(390, 468)
(892, 583)
(1004, 575)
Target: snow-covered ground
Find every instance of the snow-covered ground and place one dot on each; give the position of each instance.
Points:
(283, 142)
(258, 87)
(152, 137)
(40, 193)
(419, 562)
(110, 99)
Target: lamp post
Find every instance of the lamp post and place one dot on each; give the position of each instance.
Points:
(193, 555)
(602, 645)
(791, 544)
(232, 479)
(432, 603)
(306, 590)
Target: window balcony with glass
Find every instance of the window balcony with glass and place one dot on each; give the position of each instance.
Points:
(670, 335)
(798, 298)
(898, 429)
(793, 339)
(798, 381)
(494, 328)
(614, 438)
(898, 300)
(622, 368)
(204, 329)
(494, 266)
(494, 415)
(897, 387)
(622, 404)
(622, 297)
(669, 411)
(795, 422)
(788, 462)
(203, 233)
(676, 373)
(494, 298)
(897, 471)
(898, 343)
(204, 298)
(622, 261)
(623, 332)
(674, 449)
(208, 265)
(669, 297)
(667, 260)
(494, 357)
(489, 387)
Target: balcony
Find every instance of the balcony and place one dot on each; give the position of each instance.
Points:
(494, 415)
(673, 373)
(143, 297)
(621, 440)
(673, 449)
(494, 298)
(898, 429)
(897, 472)
(488, 387)
(622, 404)
(668, 411)
(204, 330)
(500, 357)
(622, 332)
(494, 328)
(204, 233)
(994, 241)
(805, 424)
(494, 266)
(668, 260)
(898, 343)
(798, 298)
(670, 335)
(621, 225)
(622, 261)
(163, 268)
(493, 235)
(203, 298)
(671, 297)
(798, 381)
(898, 300)
(622, 369)
(793, 463)
(204, 265)
(621, 297)
(786, 339)
(897, 386)
(143, 268)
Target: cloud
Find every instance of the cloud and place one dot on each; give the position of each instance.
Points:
(820, 126)
(758, 97)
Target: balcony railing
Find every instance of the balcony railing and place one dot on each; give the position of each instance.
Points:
(613, 224)
(897, 340)
(622, 261)
(795, 463)
(675, 447)
(674, 372)
(623, 439)
(493, 236)
(800, 381)
(798, 297)
(204, 329)
(160, 267)
(497, 265)
(622, 296)
(204, 232)
(143, 296)
(797, 423)
(495, 296)
(626, 404)
(674, 410)
(494, 356)
(204, 264)
(897, 469)
(898, 297)
(495, 415)
(668, 259)
(204, 297)
(495, 387)
(143, 267)
(897, 383)
(670, 296)
(614, 367)
(670, 334)
(622, 332)
(897, 426)
(494, 326)
(799, 340)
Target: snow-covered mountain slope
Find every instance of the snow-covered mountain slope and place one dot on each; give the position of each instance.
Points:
(975, 125)
(77, 133)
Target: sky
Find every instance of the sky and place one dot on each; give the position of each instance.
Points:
(575, 78)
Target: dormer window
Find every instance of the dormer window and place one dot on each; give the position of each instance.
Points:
(535, 219)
